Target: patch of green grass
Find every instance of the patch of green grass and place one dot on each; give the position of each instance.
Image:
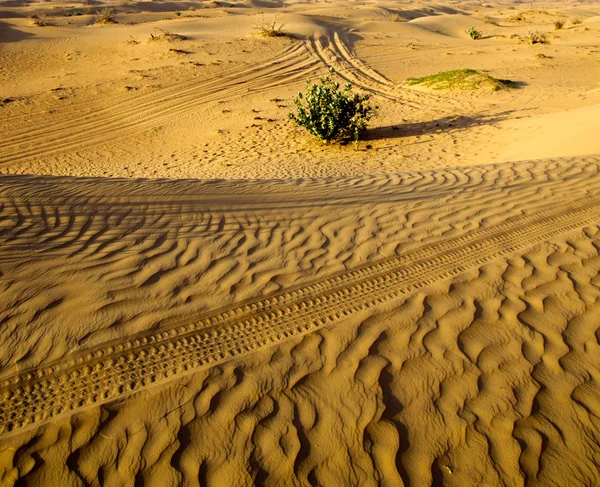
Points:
(460, 79)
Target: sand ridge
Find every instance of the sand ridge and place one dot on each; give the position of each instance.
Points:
(264, 322)
(84, 380)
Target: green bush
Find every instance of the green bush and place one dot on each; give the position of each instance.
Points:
(474, 33)
(331, 113)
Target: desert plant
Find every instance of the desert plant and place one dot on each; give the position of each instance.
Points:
(576, 21)
(331, 113)
(166, 36)
(105, 17)
(460, 79)
(39, 22)
(474, 33)
(536, 37)
(177, 13)
(559, 23)
(271, 29)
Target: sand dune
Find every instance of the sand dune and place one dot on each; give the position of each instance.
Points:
(451, 294)
(194, 292)
(87, 118)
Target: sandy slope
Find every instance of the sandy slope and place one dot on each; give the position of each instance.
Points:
(89, 102)
(421, 311)
(466, 349)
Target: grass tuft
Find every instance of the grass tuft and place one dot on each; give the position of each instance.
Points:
(106, 17)
(460, 79)
(536, 37)
(273, 28)
(166, 36)
(396, 18)
(40, 22)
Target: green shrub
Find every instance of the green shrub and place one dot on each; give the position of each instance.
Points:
(331, 113)
(474, 33)
(177, 13)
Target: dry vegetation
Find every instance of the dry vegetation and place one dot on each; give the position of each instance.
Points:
(106, 16)
(536, 37)
(272, 28)
(39, 22)
(166, 36)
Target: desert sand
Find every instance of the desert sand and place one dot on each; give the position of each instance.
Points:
(196, 292)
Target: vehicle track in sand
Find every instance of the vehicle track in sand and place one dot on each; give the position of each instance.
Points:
(334, 50)
(114, 370)
(80, 127)
(130, 117)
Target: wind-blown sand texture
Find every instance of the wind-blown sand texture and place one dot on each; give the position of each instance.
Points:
(195, 293)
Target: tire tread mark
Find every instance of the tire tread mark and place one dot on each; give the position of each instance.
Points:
(114, 370)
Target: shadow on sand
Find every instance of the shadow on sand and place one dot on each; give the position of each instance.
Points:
(439, 125)
(9, 34)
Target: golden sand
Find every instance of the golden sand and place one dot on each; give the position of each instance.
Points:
(195, 292)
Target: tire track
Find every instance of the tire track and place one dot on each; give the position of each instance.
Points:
(150, 110)
(127, 207)
(115, 370)
(172, 91)
(333, 51)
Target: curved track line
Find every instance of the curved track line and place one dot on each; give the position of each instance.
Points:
(175, 90)
(114, 370)
(333, 51)
(151, 110)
